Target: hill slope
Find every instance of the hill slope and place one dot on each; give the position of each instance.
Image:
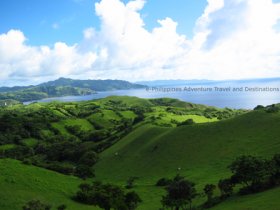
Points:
(20, 183)
(156, 145)
(200, 152)
(268, 200)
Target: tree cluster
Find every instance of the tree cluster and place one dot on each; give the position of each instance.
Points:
(107, 196)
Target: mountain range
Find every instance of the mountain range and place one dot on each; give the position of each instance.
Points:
(63, 87)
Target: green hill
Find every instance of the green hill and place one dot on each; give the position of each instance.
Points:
(20, 183)
(268, 200)
(200, 152)
(132, 137)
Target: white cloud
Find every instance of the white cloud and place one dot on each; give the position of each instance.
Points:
(130, 46)
(18, 60)
(232, 39)
(240, 41)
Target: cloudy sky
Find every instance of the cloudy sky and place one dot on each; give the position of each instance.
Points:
(137, 40)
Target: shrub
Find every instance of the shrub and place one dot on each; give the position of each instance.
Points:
(61, 207)
(180, 193)
(84, 171)
(163, 182)
(107, 196)
(36, 205)
(226, 188)
(130, 182)
(187, 122)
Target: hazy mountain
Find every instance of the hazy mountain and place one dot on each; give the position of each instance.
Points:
(63, 87)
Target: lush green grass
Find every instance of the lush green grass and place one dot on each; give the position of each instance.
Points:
(20, 183)
(61, 128)
(83, 123)
(160, 116)
(128, 114)
(268, 200)
(105, 118)
(125, 100)
(202, 152)
(152, 150)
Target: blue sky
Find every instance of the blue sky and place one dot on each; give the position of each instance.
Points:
(135, 40)
(48, 21)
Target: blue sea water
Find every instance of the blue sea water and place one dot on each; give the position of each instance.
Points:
(245, 95)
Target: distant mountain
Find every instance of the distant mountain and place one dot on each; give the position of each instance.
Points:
(96, 85)
(63, 87)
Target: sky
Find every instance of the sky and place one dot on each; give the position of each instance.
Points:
(138, 40)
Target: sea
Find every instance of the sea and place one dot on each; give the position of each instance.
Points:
(231, 94)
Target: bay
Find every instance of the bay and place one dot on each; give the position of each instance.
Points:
(238, 95)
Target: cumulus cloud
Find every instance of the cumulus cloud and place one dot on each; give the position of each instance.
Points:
(19, 60)
(238, 40)
(232, 39)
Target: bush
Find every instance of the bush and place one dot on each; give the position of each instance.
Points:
(61, 207)
(272, 109)
(163, 182)
(107, 196)
(84, 171)
(130, 182)
(89, 158)
(180, 192)
(60, 167)
(36, 205)
(226, 188)
(259, 107)
(252, 172)
(187, 122)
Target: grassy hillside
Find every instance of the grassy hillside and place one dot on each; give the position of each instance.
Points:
(200, 152)
(132, 137)
(20, 183)
(268, 200)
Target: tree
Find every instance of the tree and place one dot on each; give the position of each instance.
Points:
(259, 107)
(61, 207)
(187, 122)
(36, 205)
(249, 170)
(275, 176)
(226, 187)
(163, 182)
(180, 193)
(89, 158)
(130, 182)
(272, 109)
(107, 196)
(209, 191)
(132, 200)
(84, 171)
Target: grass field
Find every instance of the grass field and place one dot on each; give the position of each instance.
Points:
(20, 183)
(268, 200)
(153, 149)
(202, 152)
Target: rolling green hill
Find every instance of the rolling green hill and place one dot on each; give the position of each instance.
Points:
(133, 137)
(268, 200)
(20, 183)
(199, 152)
